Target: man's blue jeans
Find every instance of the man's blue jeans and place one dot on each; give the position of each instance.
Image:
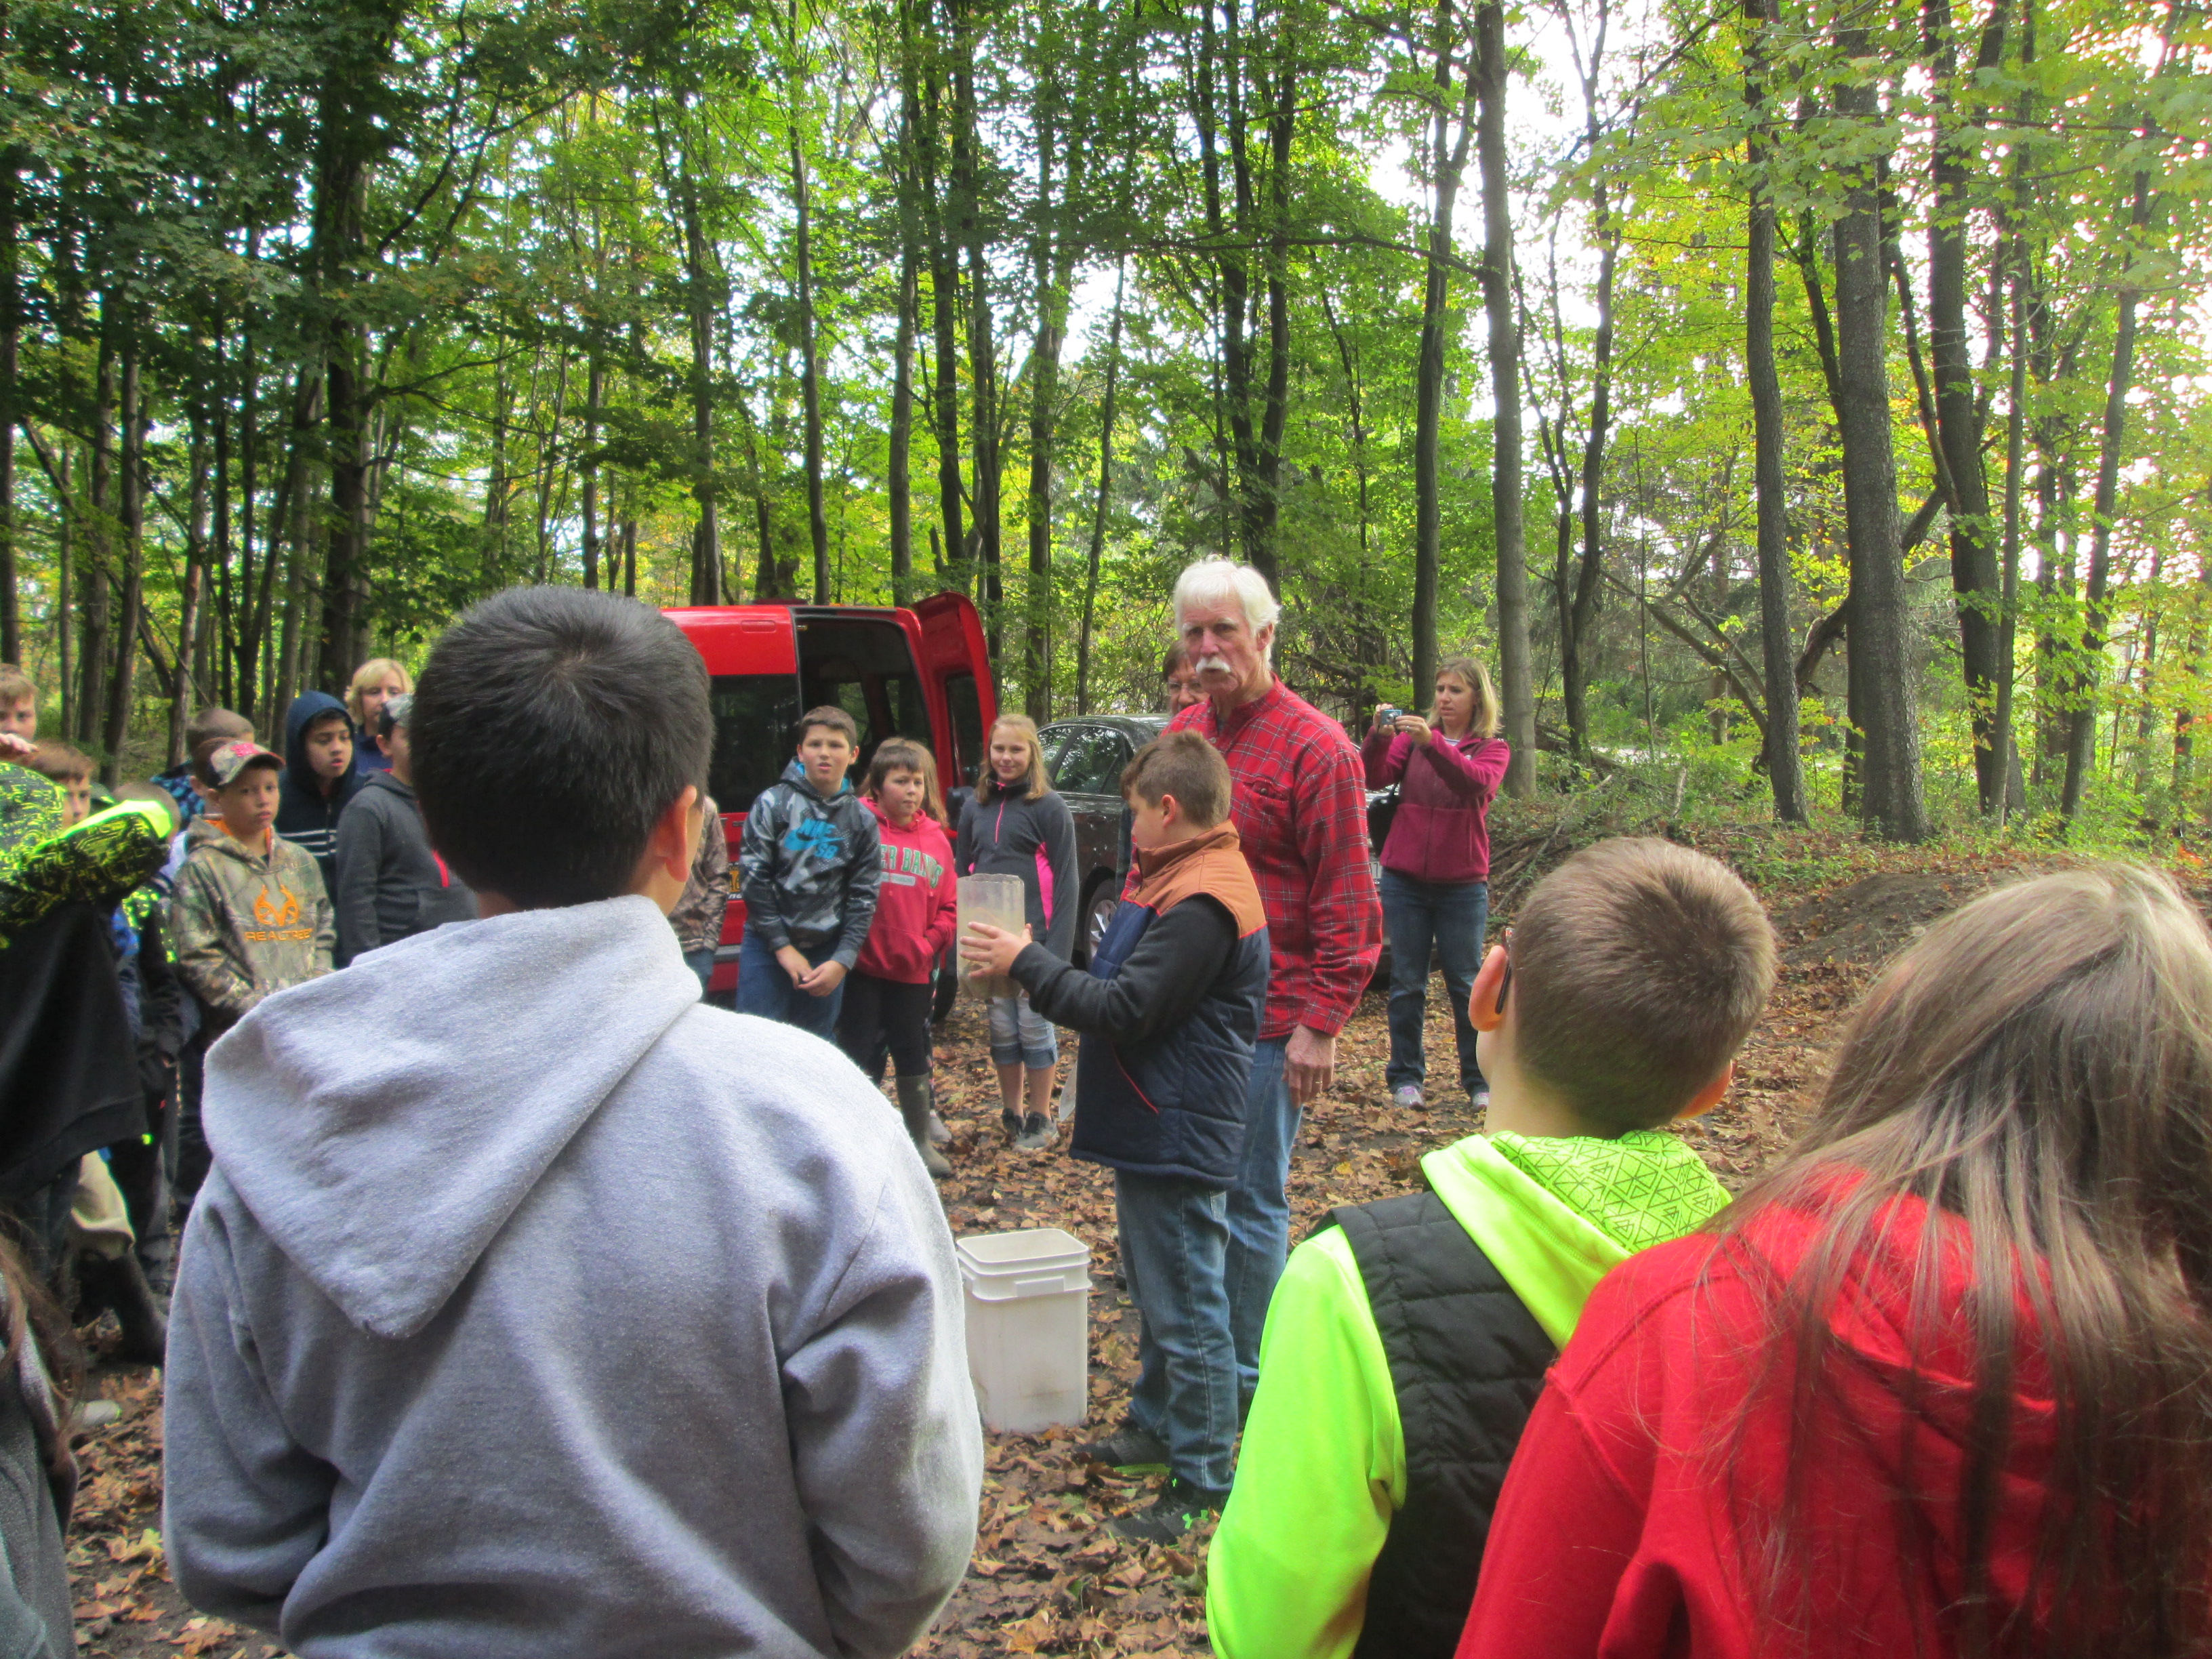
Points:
(1452, 916)
(1175, 1234)
(765, 989)
(1258, 1210)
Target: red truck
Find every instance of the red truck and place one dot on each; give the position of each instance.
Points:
(922, 673)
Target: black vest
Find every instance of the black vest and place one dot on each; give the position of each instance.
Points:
(1466, 1360)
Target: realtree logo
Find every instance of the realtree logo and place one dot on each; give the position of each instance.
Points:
(271, 913)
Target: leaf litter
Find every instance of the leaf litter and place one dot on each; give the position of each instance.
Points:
(1047, 1577)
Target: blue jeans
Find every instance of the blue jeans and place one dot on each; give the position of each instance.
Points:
(1174, 1234)
(1019, 1037)
(1453, 916)
(701, 962)
(765, 989)
(1259, 1209)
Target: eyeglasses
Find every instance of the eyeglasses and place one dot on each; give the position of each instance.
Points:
(1505, 979)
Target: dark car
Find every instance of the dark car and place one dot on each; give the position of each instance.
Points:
(1086, 758)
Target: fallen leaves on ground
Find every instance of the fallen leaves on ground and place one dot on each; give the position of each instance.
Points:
(1048, 1577)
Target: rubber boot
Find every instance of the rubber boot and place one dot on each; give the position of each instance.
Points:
(119, 1282)
(916, 1100)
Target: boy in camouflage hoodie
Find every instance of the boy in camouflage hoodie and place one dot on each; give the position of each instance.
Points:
(251, 914)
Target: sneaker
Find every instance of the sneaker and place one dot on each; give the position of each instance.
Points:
(1479, 1097)
(939, 1134)
(1408, 1095)
(1128, 1450)
(1179, 1507)
(1011, 1122)
(1038, 1133)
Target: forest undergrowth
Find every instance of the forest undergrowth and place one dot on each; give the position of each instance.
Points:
(1047, 1577)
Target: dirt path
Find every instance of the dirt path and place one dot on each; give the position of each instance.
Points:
(1048, 1577)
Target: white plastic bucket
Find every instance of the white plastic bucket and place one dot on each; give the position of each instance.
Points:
(1028, 1334)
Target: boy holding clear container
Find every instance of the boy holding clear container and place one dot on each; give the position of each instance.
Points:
(1170, 1008)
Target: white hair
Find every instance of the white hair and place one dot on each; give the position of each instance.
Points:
(1216, 579)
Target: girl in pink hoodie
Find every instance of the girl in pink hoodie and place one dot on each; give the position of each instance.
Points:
(887, 996)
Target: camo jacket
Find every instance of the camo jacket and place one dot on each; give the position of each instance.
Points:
(243, 924)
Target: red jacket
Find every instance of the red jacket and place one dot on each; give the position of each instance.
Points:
(1620, 1532)
(1441, 831)
(1298, 807)
(916, 903)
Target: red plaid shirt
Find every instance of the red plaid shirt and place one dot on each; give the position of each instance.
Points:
(1300, 807)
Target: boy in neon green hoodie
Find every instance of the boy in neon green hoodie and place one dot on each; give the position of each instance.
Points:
(1406, 1342)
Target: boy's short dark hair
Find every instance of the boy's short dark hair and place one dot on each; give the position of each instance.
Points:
(16, 686)
(1185, 765)
(60, 762)
(551, 728)
(1639, 967)
(835, 718)
(212, 723)
(323, 719)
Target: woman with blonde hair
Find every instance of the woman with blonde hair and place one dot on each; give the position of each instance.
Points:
(1015, 825)
(1436, 861)
(375, 683)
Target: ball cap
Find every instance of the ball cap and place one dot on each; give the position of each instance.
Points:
(218, 762)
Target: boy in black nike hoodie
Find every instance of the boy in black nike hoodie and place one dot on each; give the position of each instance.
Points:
(810, 868)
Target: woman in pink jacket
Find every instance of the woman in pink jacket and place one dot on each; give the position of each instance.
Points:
(1436, 861)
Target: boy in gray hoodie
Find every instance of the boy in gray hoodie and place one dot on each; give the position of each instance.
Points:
(589, 1319)
(390, 884)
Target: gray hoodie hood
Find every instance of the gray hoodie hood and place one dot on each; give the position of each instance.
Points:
(388, 1142)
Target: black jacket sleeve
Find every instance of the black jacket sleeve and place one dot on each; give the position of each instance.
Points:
(1181, 953)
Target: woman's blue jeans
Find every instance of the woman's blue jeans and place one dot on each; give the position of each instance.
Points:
(1452, 916)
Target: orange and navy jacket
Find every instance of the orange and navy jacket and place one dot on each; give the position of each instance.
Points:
(1169, 1012)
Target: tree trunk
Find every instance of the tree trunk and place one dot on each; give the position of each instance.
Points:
(706, 538)
(1881, 664)
(1267, 499)
(1974, 576)
(11, 618)
(1105, 494)
(93, 640)
(1771, 486)
(595, 389)
(899, 481)
(2081, 731)
(183, 690)
(1448, 161)
(1515, 668)
(122, 703)
(64, 583)
(945, 339)
(352, 456)
(809, 369)
(982, 360)
(1044, 393)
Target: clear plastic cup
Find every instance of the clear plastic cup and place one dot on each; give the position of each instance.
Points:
(998, 901)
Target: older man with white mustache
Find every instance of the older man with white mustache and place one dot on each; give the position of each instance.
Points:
(1300, 808)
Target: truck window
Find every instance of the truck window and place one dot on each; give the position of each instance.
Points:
(753, 743)
(967, 706)
(865, 668)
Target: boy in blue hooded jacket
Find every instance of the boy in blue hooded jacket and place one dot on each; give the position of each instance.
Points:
(1170, 1010)
(319, 779)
